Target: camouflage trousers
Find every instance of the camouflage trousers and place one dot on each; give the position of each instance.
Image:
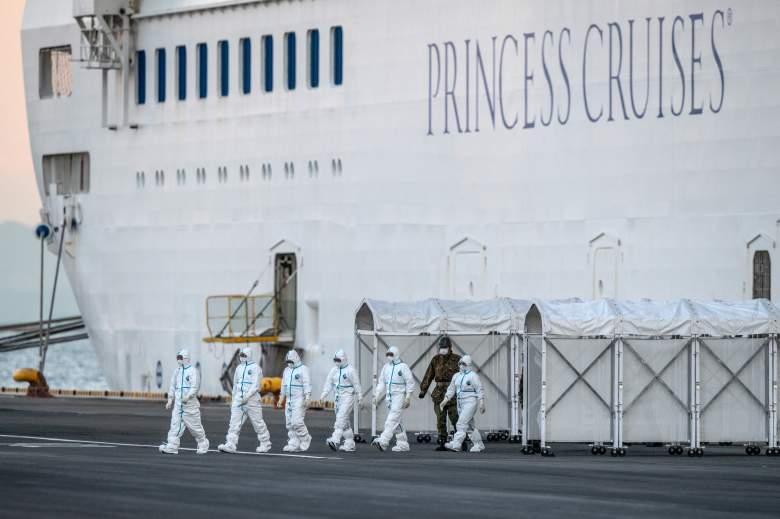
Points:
(451, 410)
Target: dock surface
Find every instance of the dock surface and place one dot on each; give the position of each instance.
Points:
(98, 458)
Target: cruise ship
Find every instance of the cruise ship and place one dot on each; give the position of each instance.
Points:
(312, 153)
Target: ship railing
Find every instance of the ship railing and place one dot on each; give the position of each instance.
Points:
(242, 319)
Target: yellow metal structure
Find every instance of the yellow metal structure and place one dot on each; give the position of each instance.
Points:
(238, 319)
(271, 385)
(29, 375)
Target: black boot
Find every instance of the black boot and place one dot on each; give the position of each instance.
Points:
(441, 443)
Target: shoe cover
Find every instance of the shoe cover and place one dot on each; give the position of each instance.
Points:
(165, 449)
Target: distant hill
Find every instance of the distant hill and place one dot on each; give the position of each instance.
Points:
(19, 265)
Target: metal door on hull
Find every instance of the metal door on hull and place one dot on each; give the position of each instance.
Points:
(762, 275)
(605, 272)
(285, 290)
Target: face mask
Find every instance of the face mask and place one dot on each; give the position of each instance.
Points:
(289, 363)
(443, 351)
(463, 368)
(390, 358)
(337, 362)
(242, 358)
(180, 362)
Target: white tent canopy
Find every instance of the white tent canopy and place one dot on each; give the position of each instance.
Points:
(686, 318)
(435, 316)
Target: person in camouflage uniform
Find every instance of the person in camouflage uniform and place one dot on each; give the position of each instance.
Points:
(441, 369)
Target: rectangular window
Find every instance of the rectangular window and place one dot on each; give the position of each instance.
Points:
(314, 58)
(289, 52)
(337, 49)
(268, 63)
(181, 72)
(68, 172)
(141, 77)
(224, 68)
(245, 48)
(203, 70)
(55, 76)
(160, 53)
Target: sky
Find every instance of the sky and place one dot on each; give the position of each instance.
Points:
(18, 194)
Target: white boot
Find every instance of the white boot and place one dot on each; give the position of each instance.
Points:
(401, 447)
(226, 447)
(379, 445)
(305, 443)
(166, 449)
(263, 447)
(332, 444)
(349, 446)
(291, 448)
(477, 447)
(203, 448)
(452, 446)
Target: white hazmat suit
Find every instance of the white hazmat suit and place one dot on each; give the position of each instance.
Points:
(344, 383)
(183, 398)
(467, 388)
(295, 394)
(397, 384)
(246, 404)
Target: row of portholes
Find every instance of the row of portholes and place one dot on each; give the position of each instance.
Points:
(243, 173)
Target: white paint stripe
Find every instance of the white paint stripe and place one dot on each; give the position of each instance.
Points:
(116, 444)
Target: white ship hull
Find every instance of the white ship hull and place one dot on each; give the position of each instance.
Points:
(408, 199)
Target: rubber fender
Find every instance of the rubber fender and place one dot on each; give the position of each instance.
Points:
(271, 385)
(30, 375)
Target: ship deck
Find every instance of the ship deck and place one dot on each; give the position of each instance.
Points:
(98, 458)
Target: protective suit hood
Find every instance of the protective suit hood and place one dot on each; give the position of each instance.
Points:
(340, 358)
(393, 355)
(245, 352)
(292, 356)
(185, 357)
(465, 364)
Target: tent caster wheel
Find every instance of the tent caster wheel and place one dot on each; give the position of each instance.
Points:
(547, 451)
(602, 450)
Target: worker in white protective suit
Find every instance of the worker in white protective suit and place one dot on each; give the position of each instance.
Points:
(245, 404)
(344, 383)
(183, 398)
(294, 397)
(467, 388)
(397, 385)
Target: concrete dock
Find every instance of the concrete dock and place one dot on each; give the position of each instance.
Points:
(98, 458)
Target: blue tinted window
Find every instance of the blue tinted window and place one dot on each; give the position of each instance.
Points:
(224, 68)
(338, 55)
(141, 76)
(181, 71)
(289, 44)
(314, 58)
(160, 75)
(246, 65)
(268, 63)
(203, 70)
